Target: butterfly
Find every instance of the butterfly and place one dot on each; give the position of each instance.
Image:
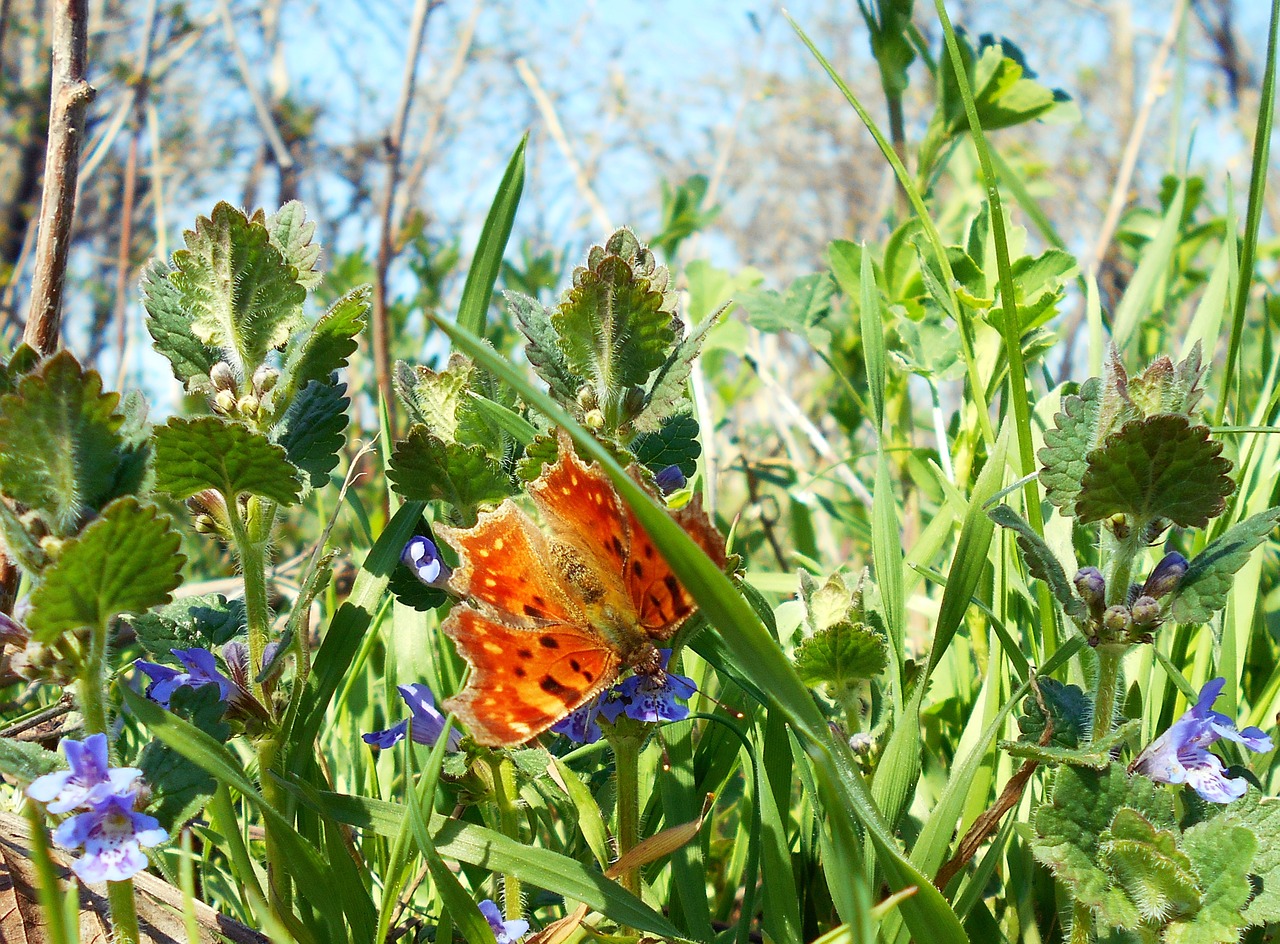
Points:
(553, 613)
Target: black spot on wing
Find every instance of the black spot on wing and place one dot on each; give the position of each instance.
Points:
(552, 687)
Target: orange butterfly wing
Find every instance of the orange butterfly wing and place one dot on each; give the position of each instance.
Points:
(523, 680)
(503, 563)
(661, 601)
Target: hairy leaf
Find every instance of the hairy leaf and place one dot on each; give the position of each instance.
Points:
(1220, 856)
(180, 788)
(311, 430)
(667, 394)
(616, 325)
(291, 233)
(192, 622)
(543, 348)
(63, 444)
(332, 340)
(1095, 754)
(537, 454)
(169, 323)
(192, 455)
(1158, 467)
(1070, 826)
(24, 761)
(841, 655)
(675, 443)
(437, 399)
(1069, 707)
(126, 561)
(1204, 588)
(1147, 863)
(1067, 444)
(235, 289)
(426, 468)
(1261, 817)
(1041, 562)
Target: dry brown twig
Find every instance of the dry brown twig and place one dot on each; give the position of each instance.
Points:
(69, 100)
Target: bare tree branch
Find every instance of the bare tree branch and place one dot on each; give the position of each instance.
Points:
(260, 108)
(69, 100)
(394, 142)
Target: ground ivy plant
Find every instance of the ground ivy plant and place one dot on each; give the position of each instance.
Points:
(1129, 462)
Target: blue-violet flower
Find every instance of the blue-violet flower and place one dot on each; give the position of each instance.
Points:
(423, 557)
(89, 780)
(669, 479)
(428, 723)
(581, 725)
(111, 834)
(201, 669)
(650, 697)
(506, 932)
(1181, 754)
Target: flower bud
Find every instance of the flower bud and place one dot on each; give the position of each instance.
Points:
(264, 379)
(1145, 610)
(1166, 577)
(632, 402)
(222, 376)
(861, 743)
(669, 479)
(1119, 526)
(587, 399)
(248, 405)
(1092, 587)
(224, 401)
(594, 420)
(1117, 619)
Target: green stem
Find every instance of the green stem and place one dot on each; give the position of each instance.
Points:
(1104, 700)
(253, 567)
(1119, 555)
(1081, 925)
(222, 815)
(504, 792)
(48, 888)
(124, 913)
(626, 754)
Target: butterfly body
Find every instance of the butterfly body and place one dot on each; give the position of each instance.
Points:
(555, 611)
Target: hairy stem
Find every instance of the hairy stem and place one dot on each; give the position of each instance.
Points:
(626, 754)
(124, 912)
(504, 792)
(1104, 702)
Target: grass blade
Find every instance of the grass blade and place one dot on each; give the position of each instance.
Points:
(487, 261)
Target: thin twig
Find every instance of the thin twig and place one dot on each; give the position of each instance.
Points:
(435, 119)
(69, 100)
(1124, 174)
(260, 107)
(548, 112)
(394, 142)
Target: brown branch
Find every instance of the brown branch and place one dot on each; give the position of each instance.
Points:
(394, 144)
(69, 100)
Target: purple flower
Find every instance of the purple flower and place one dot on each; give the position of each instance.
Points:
(669, 479)
(506, 932)
(580, 725)
(1181, 754)
(428, 723)
(201, 669)
(111, 834)
(423, 557)
(88, 781)
(651, 698)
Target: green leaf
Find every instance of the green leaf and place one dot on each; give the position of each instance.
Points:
(1147, 863)
(801, 309)
(25, 761)
(537, 454)
(1095, 754)
(1069, 707)
(331, 341)
(208, 452)
(1221, 857)
(437, 399)
(1070, 826)
(63, 448)
(542, 349)
(291, 233)
(180, 788)
(1260, 816)
(1207, 582)
(426, 468)
(676, 443)
(1067, 444)
(169, 324)
(311, 430)
(126, 561)
(1157, 467)
(617, 324)
(486, 263)
(1041, 562)
(234, 289)
(192, 622)
(667, 394)
(841, 656)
